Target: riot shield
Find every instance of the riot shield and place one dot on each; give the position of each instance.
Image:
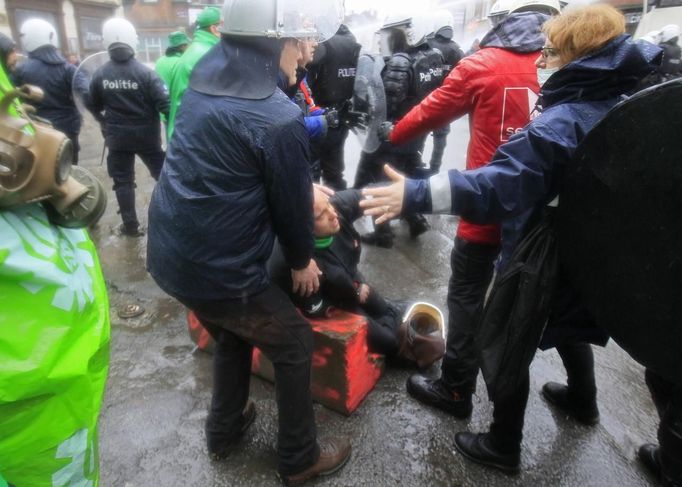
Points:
(620, 226)
(369, 98)
(81, 81)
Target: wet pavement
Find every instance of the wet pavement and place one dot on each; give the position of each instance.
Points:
(151, 428)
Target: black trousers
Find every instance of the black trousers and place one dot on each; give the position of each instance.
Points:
(121, 168)
(270, 322)
(371, 171)
(667, 398)
(383, 322)
(509, 412)
(331, 155)
(472, 266)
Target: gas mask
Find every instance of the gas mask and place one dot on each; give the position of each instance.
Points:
(35, 165)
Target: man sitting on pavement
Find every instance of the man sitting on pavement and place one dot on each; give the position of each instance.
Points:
(417, 338)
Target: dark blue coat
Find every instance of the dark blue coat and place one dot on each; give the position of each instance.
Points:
(525, 174)
(47, 69)
(236, 175)
(132, 96)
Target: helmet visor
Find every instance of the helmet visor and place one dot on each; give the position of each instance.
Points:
(304, 19)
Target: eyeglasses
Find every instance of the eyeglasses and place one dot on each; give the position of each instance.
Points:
(548, 52)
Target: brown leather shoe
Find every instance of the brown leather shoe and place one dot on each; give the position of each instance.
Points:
(334, 453)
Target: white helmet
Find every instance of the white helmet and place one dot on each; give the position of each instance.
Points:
(443, 23)
(499, 11)
(417, 27)
(669, 32)
(549, 7)
(35, 33)
(119, 30)
(282, 18)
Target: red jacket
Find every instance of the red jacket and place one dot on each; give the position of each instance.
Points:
(498, 89)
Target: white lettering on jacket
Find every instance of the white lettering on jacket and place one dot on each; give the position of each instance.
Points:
(437, 72)
(120, 84)
(346, 73)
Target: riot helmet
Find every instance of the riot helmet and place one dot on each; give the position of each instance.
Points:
(549, 7)
(35, 33)
(401, 31)
(420, 335)
(443, 24)
(669, 33)
(278, 19)
(499, 11)
(246, 65)
(119, 31)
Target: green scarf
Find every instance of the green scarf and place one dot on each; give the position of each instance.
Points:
(323, 243)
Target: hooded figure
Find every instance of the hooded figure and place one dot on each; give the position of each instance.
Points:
(47, 69)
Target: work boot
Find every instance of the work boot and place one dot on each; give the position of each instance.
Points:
(219, 450)
(418, 224)
(557, 394)
(479, 448)
(435, 393)
(334, 453)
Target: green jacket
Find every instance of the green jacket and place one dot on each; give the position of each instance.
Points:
(201, 43)
(164, 67)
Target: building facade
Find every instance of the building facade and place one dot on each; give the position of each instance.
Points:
(78, 22)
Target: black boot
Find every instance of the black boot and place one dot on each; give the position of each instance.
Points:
(585, 412)
(382, 236)
(418, 224)
(648, 455)
(125, 195)
(435, 393)
(479, 448)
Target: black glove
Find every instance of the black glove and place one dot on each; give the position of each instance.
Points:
(332, 118)
(350, 118)
(384, 131)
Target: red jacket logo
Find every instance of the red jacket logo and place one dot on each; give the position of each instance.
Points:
(517, 105)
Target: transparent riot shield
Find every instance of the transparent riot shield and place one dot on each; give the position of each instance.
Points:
(369, 98)
(81, 81)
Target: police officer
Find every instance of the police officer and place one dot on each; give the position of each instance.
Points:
(331, 76)
(412, 71)
(47, 69)
(212, 228)
(671, 65)
(177, 44)
(131, 96)
(205, 37)
(441, 39)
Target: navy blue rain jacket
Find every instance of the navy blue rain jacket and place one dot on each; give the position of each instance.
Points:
(132, 96)
(236, 175)
(48, 69)
(526, 173)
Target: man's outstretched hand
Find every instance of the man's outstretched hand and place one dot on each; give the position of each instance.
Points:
(385, 202)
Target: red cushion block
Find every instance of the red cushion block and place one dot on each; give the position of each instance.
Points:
(344, 371)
